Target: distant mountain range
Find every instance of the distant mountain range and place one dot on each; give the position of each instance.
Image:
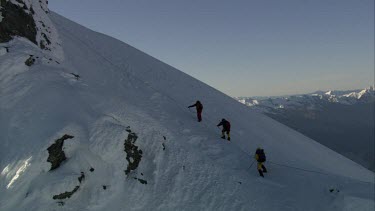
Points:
(313, 101)
(340, 120)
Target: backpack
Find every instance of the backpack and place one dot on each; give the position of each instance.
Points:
(199, 106)
(261, 155)
(227, 125)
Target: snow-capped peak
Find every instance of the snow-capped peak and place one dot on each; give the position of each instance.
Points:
(361, 94)
(311, 101)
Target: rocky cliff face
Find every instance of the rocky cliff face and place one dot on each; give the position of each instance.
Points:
(29, 19)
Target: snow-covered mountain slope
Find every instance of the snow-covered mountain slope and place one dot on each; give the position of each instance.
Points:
(341, 120)
(130, 133)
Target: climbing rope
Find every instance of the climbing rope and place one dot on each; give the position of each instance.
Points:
(124, 68)
(315, 172)
(300, 169)
(251, 164)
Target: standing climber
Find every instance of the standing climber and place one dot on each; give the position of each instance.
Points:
(260, 157)
(226, 128)
(198, 105)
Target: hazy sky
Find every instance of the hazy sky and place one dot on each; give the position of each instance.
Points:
(245, 48)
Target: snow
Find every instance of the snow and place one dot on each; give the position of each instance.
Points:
(354, 203)
(20, 169)
(121, 87)
(3, 51)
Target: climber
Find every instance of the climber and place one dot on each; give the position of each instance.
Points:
(226, 128)
(198, 105)
(260, 157)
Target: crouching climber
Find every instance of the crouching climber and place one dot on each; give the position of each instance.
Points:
(226, 128)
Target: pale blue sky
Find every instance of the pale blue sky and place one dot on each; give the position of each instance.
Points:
(245, 47)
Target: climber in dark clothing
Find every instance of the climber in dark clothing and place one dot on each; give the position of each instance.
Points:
(260, 157)
(198, 105)
(226, 128)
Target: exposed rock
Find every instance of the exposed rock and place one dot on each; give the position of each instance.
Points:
(30, 61)
(56, 153)
(46, 38)
(32, 10)
(16, 22)
(104, 187)
(42, 45)
(142, 181)
(133, 155)
(81, 178)
(66, 194)
(76, 76)
(334, 190)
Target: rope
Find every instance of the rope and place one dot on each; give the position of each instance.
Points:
(147, 84)
(316, 172)
(121, 68)
(252, 164)
(300, 169)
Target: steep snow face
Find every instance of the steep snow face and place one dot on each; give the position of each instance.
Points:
(136, 146)
(46, 34)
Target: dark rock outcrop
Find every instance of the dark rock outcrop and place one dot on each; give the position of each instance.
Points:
(133, 154)
(30, 61)
(56, 153)
(76, 76)
(81, 178)
(16, 22)
(142, 181)
(66, 194)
